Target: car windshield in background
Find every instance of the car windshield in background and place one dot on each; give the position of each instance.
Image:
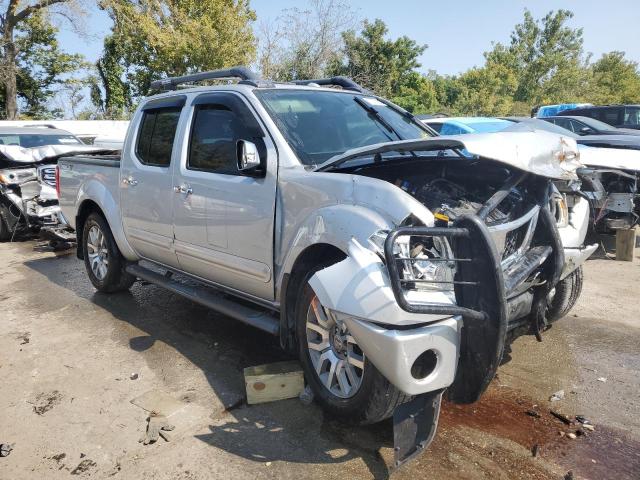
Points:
(488, 126)
(319, 124)
(597, 124)
(31, 140)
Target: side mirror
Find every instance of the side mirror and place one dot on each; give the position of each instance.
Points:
(585, 131)
(248, 157)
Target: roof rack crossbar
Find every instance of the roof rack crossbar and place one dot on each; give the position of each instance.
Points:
(344, 82)
(243, 73)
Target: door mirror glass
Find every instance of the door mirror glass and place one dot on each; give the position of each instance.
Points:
(585, 130)
(248, 156)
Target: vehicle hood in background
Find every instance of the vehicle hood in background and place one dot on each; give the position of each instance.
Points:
(20, 156)
(539, 152)
(616, 158)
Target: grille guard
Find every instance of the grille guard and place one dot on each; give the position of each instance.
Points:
(474, 231)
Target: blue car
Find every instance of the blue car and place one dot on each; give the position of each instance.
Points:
(462, 125)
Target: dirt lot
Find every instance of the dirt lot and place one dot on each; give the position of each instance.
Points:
(67, 356)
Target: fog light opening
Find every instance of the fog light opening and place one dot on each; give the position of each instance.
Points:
(424, 365)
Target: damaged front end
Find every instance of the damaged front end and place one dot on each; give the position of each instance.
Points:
(28, 196)
(29, 202)
(609, 182)
(434, 303)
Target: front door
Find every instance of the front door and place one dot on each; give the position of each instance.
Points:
(146, 181)
(224, 218)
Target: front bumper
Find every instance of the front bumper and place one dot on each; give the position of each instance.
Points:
(395, 352)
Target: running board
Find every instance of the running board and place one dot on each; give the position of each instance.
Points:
(209, 298)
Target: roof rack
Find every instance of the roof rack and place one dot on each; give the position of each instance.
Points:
(245, 75)
(344, 82)
(41, 125)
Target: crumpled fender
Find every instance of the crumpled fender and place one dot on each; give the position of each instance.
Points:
(357, 292)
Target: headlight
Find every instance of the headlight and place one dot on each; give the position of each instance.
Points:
(16, 176)
(423, 259)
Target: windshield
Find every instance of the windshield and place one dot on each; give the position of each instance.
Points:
(489, 126)
(30, 140)
(596, 124)
(320, 124)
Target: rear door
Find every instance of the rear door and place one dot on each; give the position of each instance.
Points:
(146, 180)
(223, 218)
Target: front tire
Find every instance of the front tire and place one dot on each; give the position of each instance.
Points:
(565, 295)
(104, 263)
(344, 382)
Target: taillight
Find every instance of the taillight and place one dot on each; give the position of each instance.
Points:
(58, 181)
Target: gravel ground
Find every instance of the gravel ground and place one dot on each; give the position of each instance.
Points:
(67, 355)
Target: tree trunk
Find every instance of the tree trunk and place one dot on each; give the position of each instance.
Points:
(9, 75)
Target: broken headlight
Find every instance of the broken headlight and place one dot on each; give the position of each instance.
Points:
(422, 259)
(16, 176)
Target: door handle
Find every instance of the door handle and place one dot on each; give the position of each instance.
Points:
(130, 181)
(187, 190)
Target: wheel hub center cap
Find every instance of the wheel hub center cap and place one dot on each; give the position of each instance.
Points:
(338, 342)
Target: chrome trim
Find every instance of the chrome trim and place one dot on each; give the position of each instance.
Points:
(499, 234)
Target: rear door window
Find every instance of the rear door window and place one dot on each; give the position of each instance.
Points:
(632, 116)
(156, 137)
(610, 116)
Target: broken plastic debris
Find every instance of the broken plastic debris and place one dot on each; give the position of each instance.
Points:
(306, 396)
(133, 376)
(5, 449)
(559, 395)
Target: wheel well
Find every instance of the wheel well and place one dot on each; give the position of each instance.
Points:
(310, 257)
(86, 208)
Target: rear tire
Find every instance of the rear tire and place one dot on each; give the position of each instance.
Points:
(104, 263)
(566, 295)
(375, 398)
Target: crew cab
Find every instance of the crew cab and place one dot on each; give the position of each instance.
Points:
(397, 264)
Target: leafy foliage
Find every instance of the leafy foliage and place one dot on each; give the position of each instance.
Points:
(155, 38)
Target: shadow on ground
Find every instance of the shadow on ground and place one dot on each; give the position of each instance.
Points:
(221, 347)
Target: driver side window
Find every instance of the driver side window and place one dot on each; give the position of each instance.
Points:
(214, 136)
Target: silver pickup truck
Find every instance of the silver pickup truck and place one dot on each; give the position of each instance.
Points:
(395, 263)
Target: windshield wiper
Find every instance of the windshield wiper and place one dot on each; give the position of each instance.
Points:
(376, 114)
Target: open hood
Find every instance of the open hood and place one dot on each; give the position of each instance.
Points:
(20, 156)
(616, 158)
(539, 152)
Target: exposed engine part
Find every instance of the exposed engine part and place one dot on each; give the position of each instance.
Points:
(612, 195)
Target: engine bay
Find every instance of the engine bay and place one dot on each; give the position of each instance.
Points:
(454, 188)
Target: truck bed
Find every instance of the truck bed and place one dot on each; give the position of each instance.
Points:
(89, 176)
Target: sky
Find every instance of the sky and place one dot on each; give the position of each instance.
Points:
(457, 32)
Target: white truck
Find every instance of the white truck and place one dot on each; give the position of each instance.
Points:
(398, 265)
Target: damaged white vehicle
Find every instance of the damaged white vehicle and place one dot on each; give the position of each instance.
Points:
(28, 198)
(397, 265)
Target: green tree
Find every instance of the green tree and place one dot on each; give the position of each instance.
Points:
(151, 39)
(32, 63)
(417, 94)
(379, 64)
(614, 80)
(546, 57)
(486, 91)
